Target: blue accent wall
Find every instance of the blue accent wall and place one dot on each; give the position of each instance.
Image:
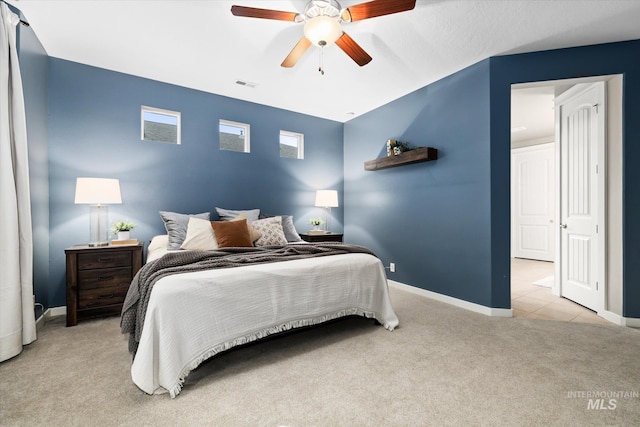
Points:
(33, 65)
(94, 131)
(431, 219)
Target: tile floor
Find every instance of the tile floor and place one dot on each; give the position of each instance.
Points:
(537, 302)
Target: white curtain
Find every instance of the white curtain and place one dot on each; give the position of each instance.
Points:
(17, 318)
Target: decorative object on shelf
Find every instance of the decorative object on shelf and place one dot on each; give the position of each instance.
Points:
(404, 146)
(98, 192)
(327, 199)
(122, 229)
(415, 155)
(395, 147)
(391, 144)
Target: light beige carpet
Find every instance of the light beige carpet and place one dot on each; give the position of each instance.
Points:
(442, 366)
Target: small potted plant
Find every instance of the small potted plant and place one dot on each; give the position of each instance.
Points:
(122, 229)
(401, 147)
(316, 222)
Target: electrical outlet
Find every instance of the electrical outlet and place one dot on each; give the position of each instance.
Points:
(392, 267)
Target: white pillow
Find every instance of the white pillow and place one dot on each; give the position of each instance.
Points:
(272, 233)
(158, 242)
(158, 247)
(200, 236)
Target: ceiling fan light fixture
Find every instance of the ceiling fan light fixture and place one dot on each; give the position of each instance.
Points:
(322, 31)
(322, 24)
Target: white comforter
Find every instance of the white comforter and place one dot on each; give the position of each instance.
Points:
(193, 316)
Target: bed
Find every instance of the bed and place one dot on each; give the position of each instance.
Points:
(194, 315)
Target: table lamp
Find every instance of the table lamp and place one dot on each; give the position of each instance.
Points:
(327, 199)
(98, 192)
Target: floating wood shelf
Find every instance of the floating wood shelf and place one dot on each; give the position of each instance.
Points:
(418, 155)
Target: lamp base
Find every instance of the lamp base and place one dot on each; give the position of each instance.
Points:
(99, 220)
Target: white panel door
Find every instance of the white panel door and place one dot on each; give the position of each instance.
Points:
(581, 128)
(533, 202)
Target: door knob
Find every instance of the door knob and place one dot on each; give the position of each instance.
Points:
(563, 225)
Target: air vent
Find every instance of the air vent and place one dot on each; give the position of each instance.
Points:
(247, 84)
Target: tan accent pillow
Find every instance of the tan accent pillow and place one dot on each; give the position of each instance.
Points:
(232, 233)
(200, 236)
(255, 234)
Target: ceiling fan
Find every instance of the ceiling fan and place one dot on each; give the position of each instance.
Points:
(322, 19)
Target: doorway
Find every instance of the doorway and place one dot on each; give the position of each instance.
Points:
(533, 191)
(524, 99)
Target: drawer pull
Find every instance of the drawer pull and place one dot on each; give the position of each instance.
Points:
(102, 278)
(106, 296)
(105, 259)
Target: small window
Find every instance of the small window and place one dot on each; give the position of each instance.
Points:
(160, 125)
(291, 145)
(234, 136)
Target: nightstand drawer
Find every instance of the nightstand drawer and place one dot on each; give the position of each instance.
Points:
(90, 261)
(98, 297)
(102, 278)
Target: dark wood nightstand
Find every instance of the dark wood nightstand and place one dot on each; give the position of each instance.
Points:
(314, 238)
(98, 279)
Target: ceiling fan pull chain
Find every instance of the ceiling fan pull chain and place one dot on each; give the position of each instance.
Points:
(321, 67)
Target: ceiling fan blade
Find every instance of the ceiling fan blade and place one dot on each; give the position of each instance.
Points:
(353, 49)
(254, 12)
(296, 53)
(376, 8)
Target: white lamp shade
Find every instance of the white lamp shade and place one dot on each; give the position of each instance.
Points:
(98, 191)
(327, 198)
(322, 30)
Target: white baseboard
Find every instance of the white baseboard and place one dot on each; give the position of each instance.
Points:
(56, 311)
(49, 314)
(489, 311)
(631, 322)
(40, 322)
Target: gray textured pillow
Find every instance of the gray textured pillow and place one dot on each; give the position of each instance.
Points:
(229, 214)
(289, 229)
(176, 225)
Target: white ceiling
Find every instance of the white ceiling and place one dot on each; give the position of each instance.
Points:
(532, 113)
(200, 45)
